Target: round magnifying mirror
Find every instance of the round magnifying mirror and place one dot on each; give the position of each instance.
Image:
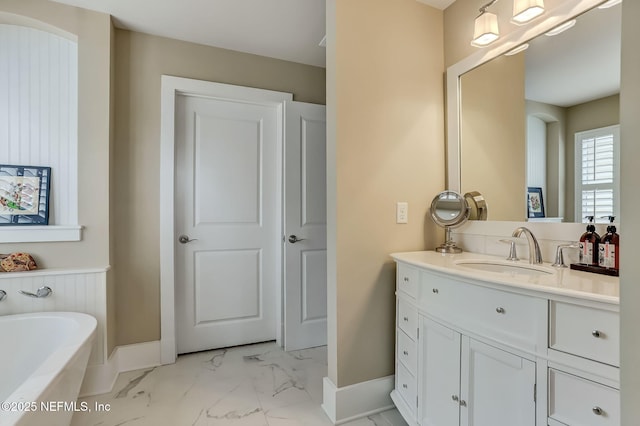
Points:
(449, 210)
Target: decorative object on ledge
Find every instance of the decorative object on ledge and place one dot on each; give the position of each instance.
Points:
(24, 195)
(17, 262)
(535, 203)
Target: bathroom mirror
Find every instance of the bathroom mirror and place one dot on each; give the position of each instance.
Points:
(449, 209)
(496, 101)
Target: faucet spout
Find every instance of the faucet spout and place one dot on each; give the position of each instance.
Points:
(535, 257)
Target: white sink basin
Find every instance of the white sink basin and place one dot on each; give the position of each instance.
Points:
(506, 267)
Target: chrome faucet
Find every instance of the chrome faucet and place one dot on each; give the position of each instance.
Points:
(534, 248)
(559, 262)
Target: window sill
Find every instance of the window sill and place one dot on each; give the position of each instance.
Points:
(39, 234)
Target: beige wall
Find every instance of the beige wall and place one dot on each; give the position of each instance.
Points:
(140, 61)
(590, 115)
(630, 206)
(492, 135)
(94, 46)
(386, 92)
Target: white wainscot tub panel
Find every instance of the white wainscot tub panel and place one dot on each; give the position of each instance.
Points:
(73, 290)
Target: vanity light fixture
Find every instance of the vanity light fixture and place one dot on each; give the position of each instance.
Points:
(609, 4)
(518, 49)
(560, 28)
(525, 10)
(485, 30)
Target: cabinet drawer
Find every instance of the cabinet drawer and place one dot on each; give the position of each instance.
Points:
(407, 385)
(408, 319)
(500, 315)
(577, 401)
(408, 279)
(407, 351)
(586, 332)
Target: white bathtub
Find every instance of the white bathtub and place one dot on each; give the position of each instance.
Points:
(43, 357)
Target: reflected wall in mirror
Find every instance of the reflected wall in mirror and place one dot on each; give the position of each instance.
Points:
(519, 116)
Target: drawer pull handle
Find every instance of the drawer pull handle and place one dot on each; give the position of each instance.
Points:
(435, 290)
(597, 411)
(463, 403)
(404, 385)
(500, 310)
(406, 319)
(454, 397)
(405, 353)
(596, 334)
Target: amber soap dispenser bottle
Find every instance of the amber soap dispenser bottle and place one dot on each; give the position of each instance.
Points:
(610, 247)
(589, 245)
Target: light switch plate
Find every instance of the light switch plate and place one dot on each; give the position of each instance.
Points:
(402, 212)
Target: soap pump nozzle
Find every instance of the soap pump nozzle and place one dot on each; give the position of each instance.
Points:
(590, 227)
(611, 228)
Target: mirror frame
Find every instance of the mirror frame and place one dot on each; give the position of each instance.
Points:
(565, 11)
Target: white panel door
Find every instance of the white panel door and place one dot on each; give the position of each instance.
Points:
(305, 245)
(497, 387)
(226, 222)
(440, 392)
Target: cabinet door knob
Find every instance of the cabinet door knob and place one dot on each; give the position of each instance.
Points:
(596, 334)
(597, 411)
(405, 353)
(454, 397)
(435, 290)
(463, 403)
(406, 319)
(406, 279)
(500, 310)
(404, 385)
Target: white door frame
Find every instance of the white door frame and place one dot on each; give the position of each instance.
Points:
(172, 86)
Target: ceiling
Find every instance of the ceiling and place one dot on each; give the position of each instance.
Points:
(284, 29)
(578, 65)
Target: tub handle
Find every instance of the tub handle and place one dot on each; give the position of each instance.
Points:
(42, 292)
(3, 295)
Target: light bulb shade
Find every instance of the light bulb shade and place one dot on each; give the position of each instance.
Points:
(526, 10)
(485, 30)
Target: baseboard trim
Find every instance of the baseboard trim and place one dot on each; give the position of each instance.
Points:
(358, 400)
(100, 378)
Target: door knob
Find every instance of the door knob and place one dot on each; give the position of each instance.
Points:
(293, 239)
(184, 239)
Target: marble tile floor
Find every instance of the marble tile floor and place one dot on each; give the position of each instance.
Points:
(253, 385)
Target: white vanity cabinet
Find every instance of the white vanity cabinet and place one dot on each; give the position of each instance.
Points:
(468, 376)
(473, 353)
(584, 360)
(467, 382)
(407, 330)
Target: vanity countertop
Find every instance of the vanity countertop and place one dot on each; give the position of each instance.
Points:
(562, 282)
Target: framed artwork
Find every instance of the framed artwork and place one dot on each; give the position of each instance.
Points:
(535, 204)
(24, 195)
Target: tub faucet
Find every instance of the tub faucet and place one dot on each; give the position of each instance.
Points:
(535, 257)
